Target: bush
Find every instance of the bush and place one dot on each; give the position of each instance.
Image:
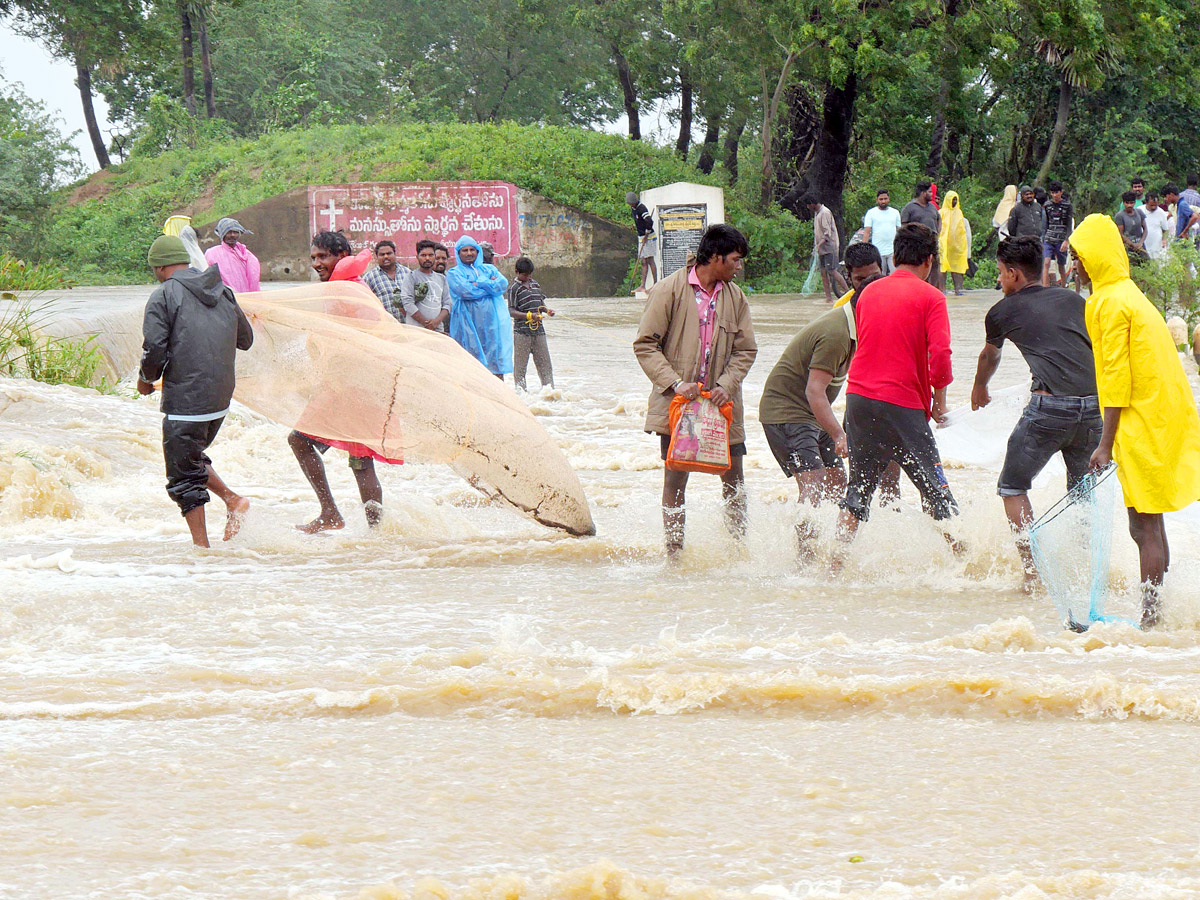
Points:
(576, 167)
(1170, 283)
(26, 353)
(15, 275)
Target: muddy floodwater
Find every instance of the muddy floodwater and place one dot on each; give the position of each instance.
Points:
(464, 704)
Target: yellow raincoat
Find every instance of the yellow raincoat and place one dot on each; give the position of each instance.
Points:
(953, 245)
(1157, 448)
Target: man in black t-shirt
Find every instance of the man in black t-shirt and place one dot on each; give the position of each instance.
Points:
(647, 241)
(1063, 415)
(1060, 222)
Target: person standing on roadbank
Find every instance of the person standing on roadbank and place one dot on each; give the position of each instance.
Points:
(647, 241)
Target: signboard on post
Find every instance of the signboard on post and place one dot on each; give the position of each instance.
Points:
(681, 212)
(681, 226)
(406, 212)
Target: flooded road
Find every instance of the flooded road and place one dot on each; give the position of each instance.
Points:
(464, 704)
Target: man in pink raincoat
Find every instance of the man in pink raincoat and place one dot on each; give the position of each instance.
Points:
(238, 266)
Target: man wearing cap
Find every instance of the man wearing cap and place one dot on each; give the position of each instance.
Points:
(239, 267)
(192, 331)
(487, 252)
(647, 242)
(1028, 218)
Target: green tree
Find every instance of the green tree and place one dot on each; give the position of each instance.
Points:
(91, 34)
(35, 159)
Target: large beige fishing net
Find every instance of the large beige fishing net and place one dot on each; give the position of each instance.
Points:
(329, 361)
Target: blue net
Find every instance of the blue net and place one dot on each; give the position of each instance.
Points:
(1072, 544)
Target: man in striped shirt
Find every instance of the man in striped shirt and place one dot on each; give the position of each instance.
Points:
(386, 278)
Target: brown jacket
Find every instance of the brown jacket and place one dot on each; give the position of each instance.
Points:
(668, 347)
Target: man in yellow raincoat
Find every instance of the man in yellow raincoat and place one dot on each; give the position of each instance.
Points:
(1151, 427)
(954, 241)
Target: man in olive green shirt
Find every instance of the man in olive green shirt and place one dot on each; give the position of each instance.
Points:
(796, 409)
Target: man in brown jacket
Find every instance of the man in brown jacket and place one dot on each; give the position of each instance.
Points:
(696, 333)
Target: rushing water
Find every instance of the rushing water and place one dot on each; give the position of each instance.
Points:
(467, 705)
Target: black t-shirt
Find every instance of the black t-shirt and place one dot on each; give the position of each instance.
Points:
(642, 220)
(1046, 324)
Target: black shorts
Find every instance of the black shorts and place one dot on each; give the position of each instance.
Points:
(184, 444)
(828, 262)
(880, 432)
(1049, 425)
(664, 440)
(801, 447)
(355, 462)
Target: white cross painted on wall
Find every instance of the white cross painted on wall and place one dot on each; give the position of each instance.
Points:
(333, 212)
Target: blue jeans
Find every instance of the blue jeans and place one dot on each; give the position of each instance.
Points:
(1049, 425)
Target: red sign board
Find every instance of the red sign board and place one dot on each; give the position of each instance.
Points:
(406, 212)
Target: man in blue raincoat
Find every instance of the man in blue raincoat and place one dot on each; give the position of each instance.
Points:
(479, 318)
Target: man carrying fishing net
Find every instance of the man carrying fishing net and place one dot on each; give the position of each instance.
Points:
(1151, 428)
(1063, 415)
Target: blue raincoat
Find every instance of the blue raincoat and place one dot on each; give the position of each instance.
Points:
(479, 318)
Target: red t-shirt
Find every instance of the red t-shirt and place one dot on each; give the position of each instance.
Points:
(903, 349)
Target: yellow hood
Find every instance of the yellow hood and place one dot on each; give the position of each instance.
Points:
(1099, 247)
(1005, 206)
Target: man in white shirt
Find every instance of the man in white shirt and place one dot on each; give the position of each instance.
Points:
(1154, 217)
(880, 224)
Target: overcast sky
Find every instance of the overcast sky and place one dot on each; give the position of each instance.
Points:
(51, 81)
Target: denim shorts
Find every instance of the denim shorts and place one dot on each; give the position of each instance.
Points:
(801, 447)
(1053, 250)
(1049, 425)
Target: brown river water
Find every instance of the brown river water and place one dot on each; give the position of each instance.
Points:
(464, 704)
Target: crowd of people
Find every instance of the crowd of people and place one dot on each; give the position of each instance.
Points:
(1107, 384)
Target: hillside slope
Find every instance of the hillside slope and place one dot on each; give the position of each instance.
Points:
(109, 220)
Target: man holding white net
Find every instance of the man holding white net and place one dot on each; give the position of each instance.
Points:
(1151, 428)
(1063, 415)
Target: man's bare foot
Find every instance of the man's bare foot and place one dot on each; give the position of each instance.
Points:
(323, 523)
(236, 515)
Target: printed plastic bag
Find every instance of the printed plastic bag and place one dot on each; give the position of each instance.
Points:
(699, 435)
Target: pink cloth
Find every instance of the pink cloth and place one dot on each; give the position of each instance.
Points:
(238, 266)
(706, 309)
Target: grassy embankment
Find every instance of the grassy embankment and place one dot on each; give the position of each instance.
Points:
(109, 220)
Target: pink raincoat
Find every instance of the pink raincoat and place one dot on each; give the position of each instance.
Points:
(238, 266)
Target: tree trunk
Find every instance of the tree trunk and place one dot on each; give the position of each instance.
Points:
(210, 106)
(628, 92)
(826, 176)
(937, 141)
(733, 140)
(189, 75)
(708, 152)
(684, 142)
(83, 78)
(1065, 93)
(770, 114)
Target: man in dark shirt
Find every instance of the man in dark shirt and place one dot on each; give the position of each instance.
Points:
(920, 209)
(647, 242)
(1059, 225)
(1063, 415)
(1027, 217)
(1131, 224)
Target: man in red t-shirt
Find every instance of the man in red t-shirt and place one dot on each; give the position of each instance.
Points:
(898, 382)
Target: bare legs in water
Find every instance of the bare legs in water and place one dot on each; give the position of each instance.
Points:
(313, 467)
(236, 507)
(1150, 534)
(733, 493)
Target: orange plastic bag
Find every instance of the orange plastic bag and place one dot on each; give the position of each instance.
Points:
(699, 435)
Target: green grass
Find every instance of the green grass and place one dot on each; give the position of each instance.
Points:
(108, 235)
(26, 353)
